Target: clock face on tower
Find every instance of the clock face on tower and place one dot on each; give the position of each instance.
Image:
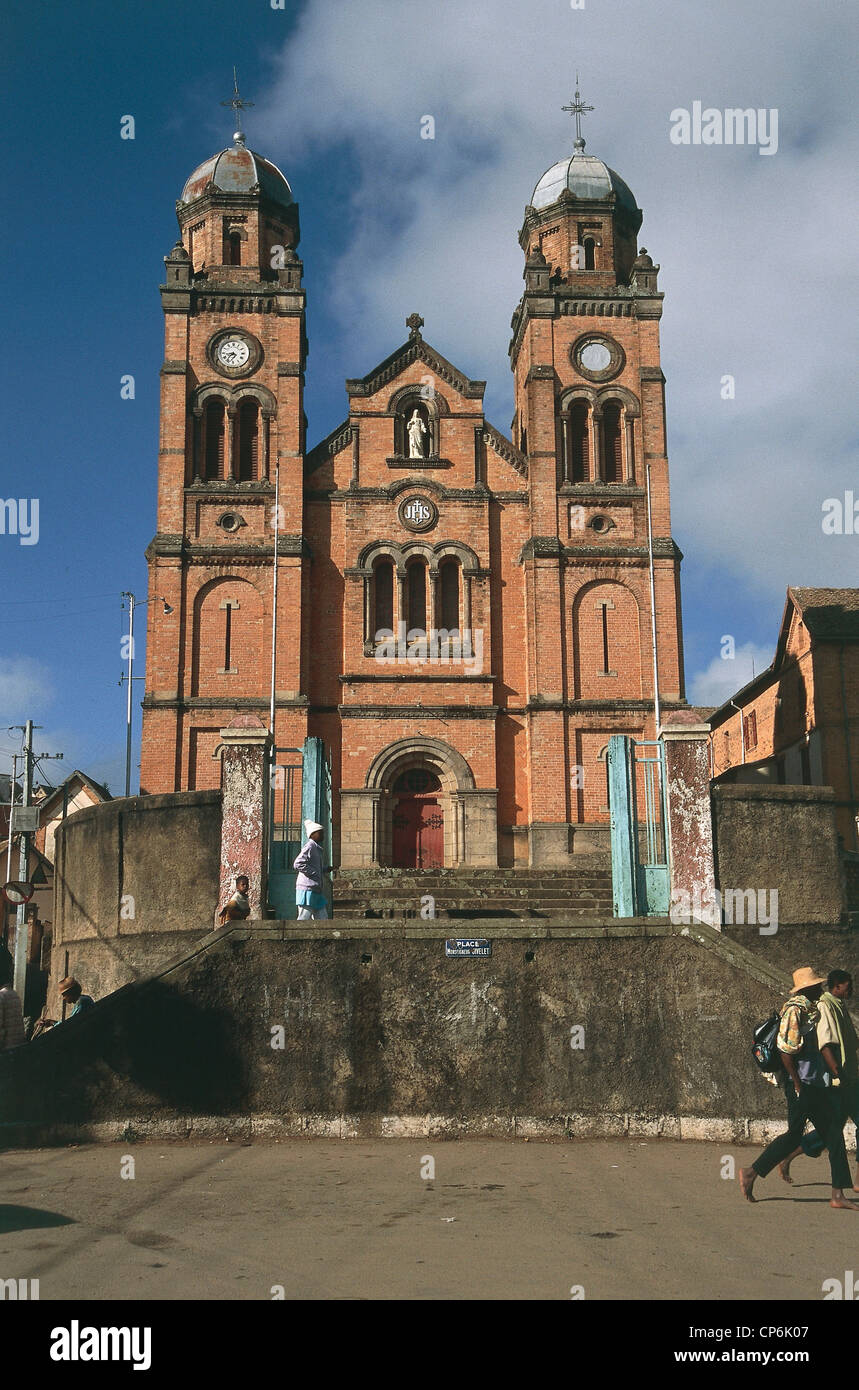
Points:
(232, 352)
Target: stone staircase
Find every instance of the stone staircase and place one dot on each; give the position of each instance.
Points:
(579, 893)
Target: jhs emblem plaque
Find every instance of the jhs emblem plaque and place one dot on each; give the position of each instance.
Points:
(418, 513)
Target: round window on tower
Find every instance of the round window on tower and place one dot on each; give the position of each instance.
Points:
(597, 357)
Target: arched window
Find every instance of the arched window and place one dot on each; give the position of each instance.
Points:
(233, 249)
(383, 597)
(215, 432)
(449, 594)
(589, 253)
(613, 442)
(416, 586)
(580, 447)
(248, 431)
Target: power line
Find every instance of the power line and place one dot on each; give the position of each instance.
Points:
(112, 593)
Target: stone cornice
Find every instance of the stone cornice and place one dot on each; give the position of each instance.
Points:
(419, 712)
(416, 676)
(541, 547)
(192, 553)
(227, 703)
(664, 548)
(400, 461)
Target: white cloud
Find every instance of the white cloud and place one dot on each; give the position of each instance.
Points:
(25, 688)
(756, 251)
(722, 679)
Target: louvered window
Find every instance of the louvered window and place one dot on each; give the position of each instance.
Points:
(579, 443)
(248, 441)
(417, 590)
(613, 443)
(383, 597)
(449, 578)
(215, 436)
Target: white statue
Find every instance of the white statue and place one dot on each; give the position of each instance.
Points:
(417, 430)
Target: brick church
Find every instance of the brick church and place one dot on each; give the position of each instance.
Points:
(464, 618)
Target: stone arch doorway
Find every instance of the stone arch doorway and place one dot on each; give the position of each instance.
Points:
(468, 831)
(417, 821)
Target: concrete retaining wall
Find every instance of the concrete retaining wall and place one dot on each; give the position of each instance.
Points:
(785, 838)
(382, 1034)
(133, 879)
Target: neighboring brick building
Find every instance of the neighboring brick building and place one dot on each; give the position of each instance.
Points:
(798, 721)
(415, 516)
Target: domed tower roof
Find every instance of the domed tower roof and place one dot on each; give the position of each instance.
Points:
(238, 170)
(585, 177)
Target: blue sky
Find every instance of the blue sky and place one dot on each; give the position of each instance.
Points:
(757, 255)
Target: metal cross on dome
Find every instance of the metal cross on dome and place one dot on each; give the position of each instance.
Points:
(576, 108)
(238, 105)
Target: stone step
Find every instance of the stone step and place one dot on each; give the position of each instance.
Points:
(472, 885)
(467, 890)
(487, 905)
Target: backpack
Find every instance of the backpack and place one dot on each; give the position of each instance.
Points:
(764, 1044)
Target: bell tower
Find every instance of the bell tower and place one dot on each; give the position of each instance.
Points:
(231, 433)
(590, 417)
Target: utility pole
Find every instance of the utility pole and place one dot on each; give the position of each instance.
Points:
(21, 932)
(12, 786)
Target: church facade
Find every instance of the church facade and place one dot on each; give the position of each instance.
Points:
(464, 618)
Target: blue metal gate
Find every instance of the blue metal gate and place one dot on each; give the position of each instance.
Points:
(300, 791)
(316, 798)
(286, 832)
(639, 847)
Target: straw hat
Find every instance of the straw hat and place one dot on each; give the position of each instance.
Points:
(68, 984)
(805, 977)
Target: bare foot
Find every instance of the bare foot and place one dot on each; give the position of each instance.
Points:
(856, 1183)
(784, 1171)
(843, 1203)
(747, 1181)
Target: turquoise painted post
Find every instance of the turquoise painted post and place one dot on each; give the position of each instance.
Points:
(316, 795)
(621, 806)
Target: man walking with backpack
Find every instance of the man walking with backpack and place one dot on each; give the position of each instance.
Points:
(804, 1078)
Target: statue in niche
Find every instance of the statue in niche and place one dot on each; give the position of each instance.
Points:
(418, 435)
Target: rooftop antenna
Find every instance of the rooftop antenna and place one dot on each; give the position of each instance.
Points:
(239, 105)
(576, 108)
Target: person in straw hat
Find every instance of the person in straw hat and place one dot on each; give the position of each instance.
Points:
(309, 895)
(806, 1090)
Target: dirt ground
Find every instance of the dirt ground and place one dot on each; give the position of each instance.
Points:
(404, 1219)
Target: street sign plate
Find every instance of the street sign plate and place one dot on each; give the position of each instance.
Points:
(467, 946)
(25, 819)
(16, 892)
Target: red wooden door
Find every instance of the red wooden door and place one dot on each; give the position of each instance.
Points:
(418, 841)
